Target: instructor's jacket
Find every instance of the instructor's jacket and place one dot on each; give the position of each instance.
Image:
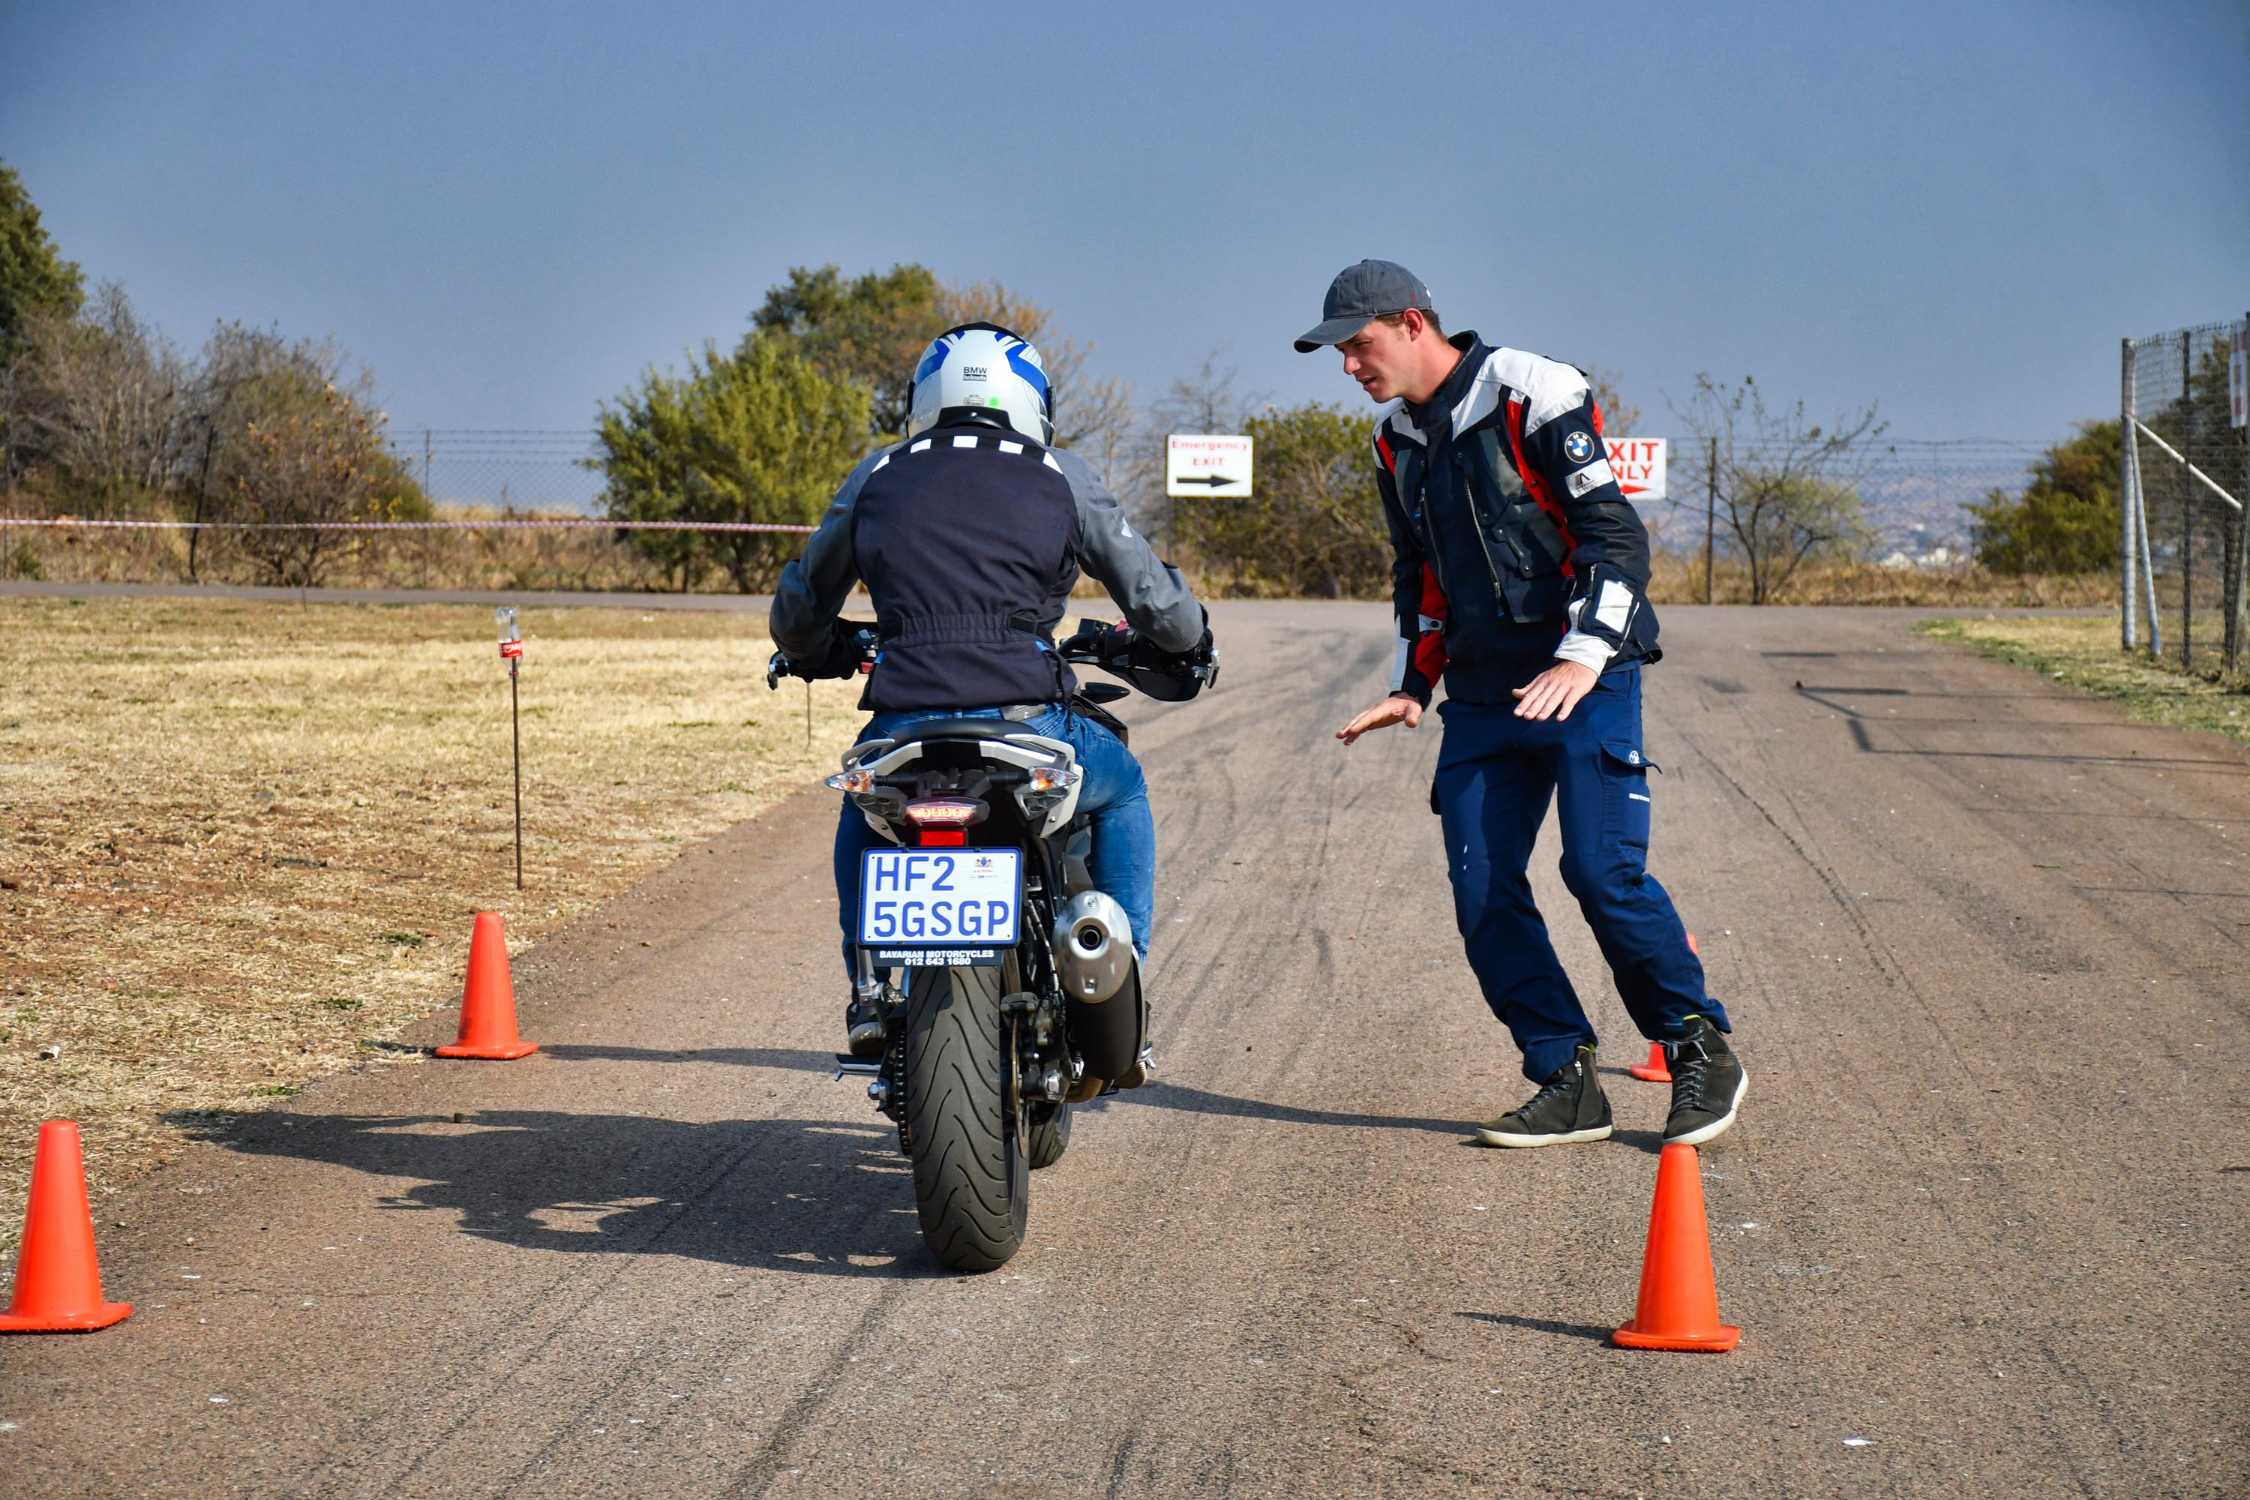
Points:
(969, 540)
(1512, 543)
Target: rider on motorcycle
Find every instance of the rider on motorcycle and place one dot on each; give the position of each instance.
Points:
(969, 535)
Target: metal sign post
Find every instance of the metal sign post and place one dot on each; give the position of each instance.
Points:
(511, 650)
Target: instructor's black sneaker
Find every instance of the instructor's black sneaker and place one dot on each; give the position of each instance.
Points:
(1569, 1107)
(1707, 1084)
(863, 1027)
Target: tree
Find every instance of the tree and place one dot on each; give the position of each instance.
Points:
(868, 331)
(34, 278)
(285, 432)
(296, 445)
(99, 400)
(758, 436)
(1788, 490)
(2067, 520)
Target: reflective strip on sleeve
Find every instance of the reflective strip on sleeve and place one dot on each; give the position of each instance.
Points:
(1592, 477)
(1614, 609)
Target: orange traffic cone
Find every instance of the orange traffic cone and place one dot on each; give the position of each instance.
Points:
(58, 1284)
(1679, 1306)
(488, 1004)
(1656, 1069)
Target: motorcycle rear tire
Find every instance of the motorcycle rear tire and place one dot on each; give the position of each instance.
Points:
(972, 1187)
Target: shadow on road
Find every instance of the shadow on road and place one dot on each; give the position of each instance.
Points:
(811, 1196)
(1162, 1095)
(743, 1057)
(1197, 1101)
(1540, 1325)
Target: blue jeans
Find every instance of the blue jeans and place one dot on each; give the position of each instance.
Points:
(1114, 793)
(1496, 774)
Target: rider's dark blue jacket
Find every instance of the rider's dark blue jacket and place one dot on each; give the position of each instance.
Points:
(969, 540)
(1512, 543)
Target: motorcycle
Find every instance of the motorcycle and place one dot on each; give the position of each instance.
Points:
(1021, 993)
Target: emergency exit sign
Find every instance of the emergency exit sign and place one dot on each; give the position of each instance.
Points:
(1213, 465)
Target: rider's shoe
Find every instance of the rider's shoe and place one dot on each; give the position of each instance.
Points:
(863, 1026)
(1569, 1107)
(1707, 1084)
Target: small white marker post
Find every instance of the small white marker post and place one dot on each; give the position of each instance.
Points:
(511, 650)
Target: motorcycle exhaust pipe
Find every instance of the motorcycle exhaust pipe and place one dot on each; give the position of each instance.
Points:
(1093, 945)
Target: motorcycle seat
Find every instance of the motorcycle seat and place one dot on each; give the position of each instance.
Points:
(954, 729)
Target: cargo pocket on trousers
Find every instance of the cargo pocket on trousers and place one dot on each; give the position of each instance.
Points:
(1625, 798)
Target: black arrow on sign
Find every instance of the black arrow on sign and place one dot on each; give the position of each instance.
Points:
(1213, 480)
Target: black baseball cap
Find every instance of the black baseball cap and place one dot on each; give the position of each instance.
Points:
(1359, 294)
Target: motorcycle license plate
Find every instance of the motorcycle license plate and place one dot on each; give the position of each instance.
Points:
(941, 907)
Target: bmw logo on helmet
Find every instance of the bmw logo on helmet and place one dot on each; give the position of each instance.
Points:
(1578, 447)
(980, 372)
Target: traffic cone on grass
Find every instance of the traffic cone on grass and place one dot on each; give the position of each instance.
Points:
(1656, 1069)
(488, 1002)
(1679, 1305)
(58, 1283)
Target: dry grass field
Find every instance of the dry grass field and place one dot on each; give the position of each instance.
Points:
(2081, 651)
(1677, 578)
(240, 843)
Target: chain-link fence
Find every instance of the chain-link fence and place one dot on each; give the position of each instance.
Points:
(1911, 518)
(502, 469)
(2186, 471)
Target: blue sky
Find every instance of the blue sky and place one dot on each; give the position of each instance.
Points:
(1954, 210)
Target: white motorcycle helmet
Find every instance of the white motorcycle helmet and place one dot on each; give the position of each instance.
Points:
(982, 372)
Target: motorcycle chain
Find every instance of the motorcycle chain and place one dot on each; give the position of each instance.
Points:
(894, 1099)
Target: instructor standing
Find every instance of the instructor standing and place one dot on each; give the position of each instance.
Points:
(1518, 574)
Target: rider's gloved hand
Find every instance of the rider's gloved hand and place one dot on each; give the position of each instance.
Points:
(1108, 644)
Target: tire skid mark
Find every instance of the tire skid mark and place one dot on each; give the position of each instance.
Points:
(1878, 952)
(554, 1294)
(1120, 1464)
(755, 1478)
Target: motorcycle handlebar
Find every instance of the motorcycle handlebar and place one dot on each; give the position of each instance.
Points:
(852, 653)
(1117, 649)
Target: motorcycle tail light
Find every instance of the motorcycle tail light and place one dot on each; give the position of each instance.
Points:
(942, 838)
(944, 812)
(856, 780)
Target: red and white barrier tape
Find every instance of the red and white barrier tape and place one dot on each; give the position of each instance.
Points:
(589, 524)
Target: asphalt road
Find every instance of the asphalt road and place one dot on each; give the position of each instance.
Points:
(1982, 1221)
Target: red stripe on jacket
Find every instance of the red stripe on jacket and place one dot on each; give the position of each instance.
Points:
(1536, 482)
(1429, 647)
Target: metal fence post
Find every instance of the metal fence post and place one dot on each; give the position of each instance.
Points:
(1710, 515)
(2187, 508)
(2140, 529)
(2238, 608)
(2127, 501)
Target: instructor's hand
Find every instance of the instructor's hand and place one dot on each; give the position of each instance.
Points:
(1555, 692)
(1396, 709)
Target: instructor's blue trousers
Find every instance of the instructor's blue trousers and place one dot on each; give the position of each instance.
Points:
(1496, 774)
